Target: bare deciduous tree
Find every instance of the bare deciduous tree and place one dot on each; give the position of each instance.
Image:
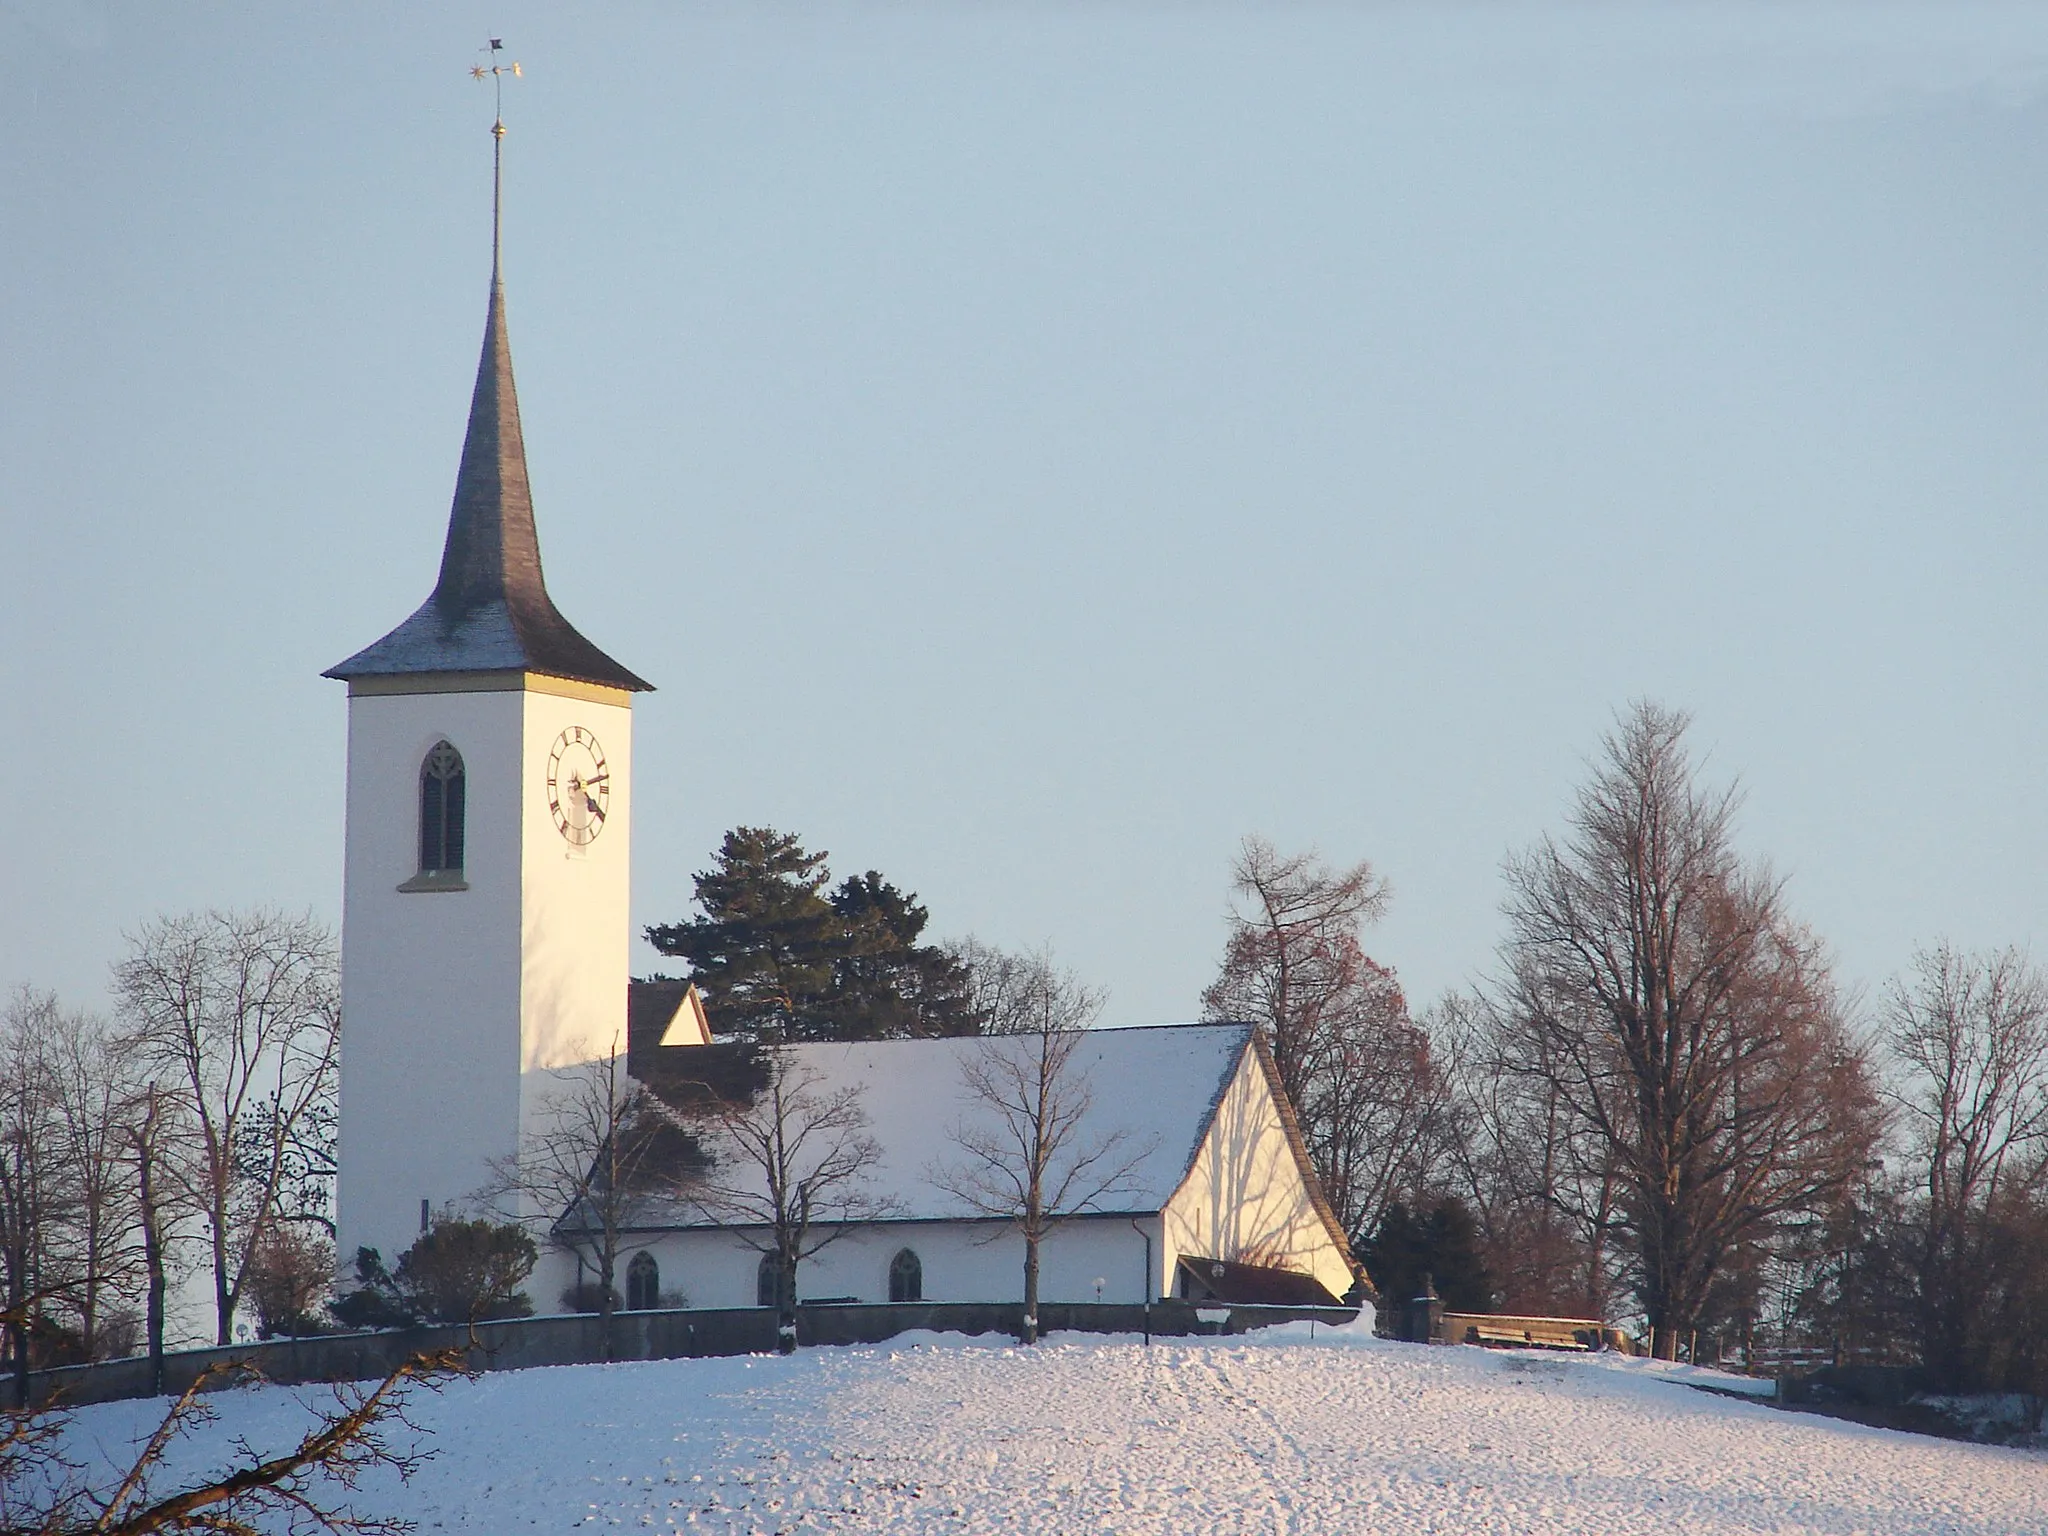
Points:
(96, 1100)
(302, 1151)
(997, 982)
(32, 1194)
(64, 1192)
(788, 1170)
(154, 1150)
(291, 1278)
(1293, 960)
(1025, 1155)
(238, 1016)
(1540, 1186)
(1970, 1036)
(310, 1486)
(1658, 989)
(1359, 1074)
(583, 1169)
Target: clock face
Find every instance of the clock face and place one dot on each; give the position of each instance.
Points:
(579, 787)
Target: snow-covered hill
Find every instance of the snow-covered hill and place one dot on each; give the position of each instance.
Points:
(1341, 1433)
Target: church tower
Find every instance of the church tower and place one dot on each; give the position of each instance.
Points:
(484, 914)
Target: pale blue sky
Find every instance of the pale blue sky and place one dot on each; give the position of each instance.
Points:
(1032, 446)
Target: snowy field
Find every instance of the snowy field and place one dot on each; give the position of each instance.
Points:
(1337, 1434)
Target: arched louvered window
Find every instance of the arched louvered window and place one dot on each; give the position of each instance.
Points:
(441, 811)
(764, 1282)
(643, 1283)
(906, 1277)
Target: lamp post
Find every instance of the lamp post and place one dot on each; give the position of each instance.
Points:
(1145, 1290)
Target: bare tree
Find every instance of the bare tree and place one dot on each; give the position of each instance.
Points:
(291, 1278)
(95, 1096)
(1360, 1075)
(997, 982)
(788, 1169)
(238, 1015)
(584, 1169)
(33, 1208)
(1970, 1036)
(1024, 1153)
(310, 1486)
(1541, 1187)
(153, 1146)
(1293, 959)
(1375, 1103)
(1660, 992)
(302, 1151)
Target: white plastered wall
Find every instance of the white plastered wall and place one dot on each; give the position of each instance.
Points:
(716, 1268)
(1245, 1199)
(430, 981)
(575, 930)
(458, 1007)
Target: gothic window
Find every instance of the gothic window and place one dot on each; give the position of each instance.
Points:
(441, 811)
(643, 1283)
(764, 1282)
(906, 1277)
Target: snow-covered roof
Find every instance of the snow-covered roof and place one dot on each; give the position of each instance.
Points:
(1157, 1086)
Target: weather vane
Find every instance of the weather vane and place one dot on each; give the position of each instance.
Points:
(488, 68)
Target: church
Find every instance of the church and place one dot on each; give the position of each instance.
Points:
(485, 941)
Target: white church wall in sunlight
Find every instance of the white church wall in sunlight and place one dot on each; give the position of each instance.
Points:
(575, 925)
(1245, 1198)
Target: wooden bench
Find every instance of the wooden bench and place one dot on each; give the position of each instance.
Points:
(1500, 1331)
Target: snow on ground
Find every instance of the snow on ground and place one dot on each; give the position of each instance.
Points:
(1341, 1433)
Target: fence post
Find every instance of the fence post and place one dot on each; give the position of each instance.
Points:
(1425, 1314)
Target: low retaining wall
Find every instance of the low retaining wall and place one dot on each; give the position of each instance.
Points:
(665, 1335)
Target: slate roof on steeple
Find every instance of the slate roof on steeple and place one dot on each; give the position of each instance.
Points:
(490, 611)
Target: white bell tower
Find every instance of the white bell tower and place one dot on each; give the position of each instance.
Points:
(490, 788)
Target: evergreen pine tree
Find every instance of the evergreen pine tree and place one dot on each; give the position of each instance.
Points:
(777, 957)
(1394, 1256)
(1451, 1245)
(762, 950)
(885, 985)
(1441, 1242)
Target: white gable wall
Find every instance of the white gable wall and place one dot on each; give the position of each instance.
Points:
(1245, 1199)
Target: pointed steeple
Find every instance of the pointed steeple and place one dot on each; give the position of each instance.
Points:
(490, 610)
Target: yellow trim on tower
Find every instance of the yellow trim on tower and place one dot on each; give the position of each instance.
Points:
(509, 681)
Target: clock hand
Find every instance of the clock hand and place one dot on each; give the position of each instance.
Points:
(595, 809)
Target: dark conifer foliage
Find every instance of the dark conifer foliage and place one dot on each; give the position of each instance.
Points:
(458, 1272)
(779, 955)
(1441, 1242)
(885, 985)
(762, 949)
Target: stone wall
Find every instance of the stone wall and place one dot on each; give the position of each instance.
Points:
(664, 1335)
